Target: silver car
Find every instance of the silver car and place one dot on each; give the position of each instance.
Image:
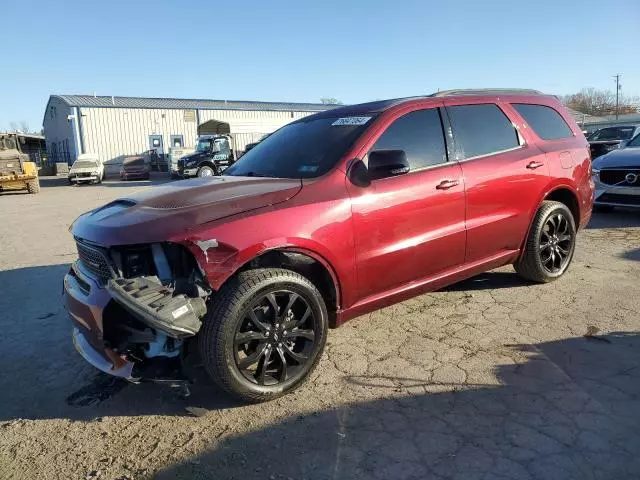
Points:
(617, 177)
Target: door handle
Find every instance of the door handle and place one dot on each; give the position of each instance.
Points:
(446, 184)
(534, 165)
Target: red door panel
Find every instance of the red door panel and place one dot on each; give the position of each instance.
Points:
(501, 190)
(406, 228)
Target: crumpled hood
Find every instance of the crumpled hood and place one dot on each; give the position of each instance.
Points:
(626, 157)
(162, 212)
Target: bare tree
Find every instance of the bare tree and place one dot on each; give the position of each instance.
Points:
(21, 126)
(330, 101)
(600, 102)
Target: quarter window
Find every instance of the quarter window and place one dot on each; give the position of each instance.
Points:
(420, 135)
(481, 129)
(544, 121)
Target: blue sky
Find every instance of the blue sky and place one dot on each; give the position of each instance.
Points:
(304, 50)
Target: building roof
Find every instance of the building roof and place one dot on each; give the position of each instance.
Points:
(186, 104)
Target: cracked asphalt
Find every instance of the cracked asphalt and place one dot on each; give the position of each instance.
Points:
(489, 378)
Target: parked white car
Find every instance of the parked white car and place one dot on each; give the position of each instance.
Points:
(87, 168)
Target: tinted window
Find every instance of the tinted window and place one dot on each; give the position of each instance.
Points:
(635, 142)
(545, 121)
(481, 130)
(420, 135)
(303, 149)
(613, 133)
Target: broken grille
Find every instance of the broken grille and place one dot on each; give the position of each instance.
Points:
(95, 261)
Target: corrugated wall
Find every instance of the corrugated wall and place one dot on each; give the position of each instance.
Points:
(113, 133)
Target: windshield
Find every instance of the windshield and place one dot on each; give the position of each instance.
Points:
(304, 149)
(635, 142)
(85, 164)
(613, 133)
(204, 145)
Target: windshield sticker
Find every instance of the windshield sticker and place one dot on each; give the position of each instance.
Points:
(351, 121)
(307, 168)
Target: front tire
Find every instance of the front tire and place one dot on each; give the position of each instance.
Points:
(264, 334)
(206, 171)
(33, 186)
(550, 245)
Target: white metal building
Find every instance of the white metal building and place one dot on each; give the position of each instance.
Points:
(113, 127)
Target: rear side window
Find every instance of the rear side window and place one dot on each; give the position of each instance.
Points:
(481, 130)
(545, 121)
(420, 135)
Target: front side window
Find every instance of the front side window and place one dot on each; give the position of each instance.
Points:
(221, 145)
(544, 121)
(481, 129)
(307, 148)
(421, 137)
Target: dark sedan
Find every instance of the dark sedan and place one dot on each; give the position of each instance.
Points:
(134, 167)
(617, 177)
(607, 139)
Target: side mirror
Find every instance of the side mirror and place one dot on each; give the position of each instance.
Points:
(387, 163)
(358, 173)
(623, 143)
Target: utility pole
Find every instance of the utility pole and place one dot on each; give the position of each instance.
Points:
(618, 87)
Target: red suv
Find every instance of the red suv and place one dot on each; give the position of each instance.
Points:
(332, 216)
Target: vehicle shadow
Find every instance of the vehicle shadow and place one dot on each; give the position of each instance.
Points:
(53, 181)
(489, 280)
(563, 413)
(618, 218)
(632, 255)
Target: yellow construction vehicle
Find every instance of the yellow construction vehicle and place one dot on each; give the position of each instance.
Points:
(17, 171)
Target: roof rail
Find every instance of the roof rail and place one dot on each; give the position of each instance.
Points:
(487, 91)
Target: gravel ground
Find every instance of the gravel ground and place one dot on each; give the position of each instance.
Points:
(490, 378)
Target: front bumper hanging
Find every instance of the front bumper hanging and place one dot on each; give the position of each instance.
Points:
(158, 305)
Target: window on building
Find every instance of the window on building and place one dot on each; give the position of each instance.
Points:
(420, 135)
(544, 121)
(481, 129)
(177, 141)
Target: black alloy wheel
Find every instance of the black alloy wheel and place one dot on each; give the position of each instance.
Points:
(549, 247)
(556, 243)
(275, 338)
(264, 333)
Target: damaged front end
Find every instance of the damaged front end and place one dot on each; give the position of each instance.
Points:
(135, 308)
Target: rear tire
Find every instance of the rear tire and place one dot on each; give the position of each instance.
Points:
(33, 186)
(243, 328)
(550, 245)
